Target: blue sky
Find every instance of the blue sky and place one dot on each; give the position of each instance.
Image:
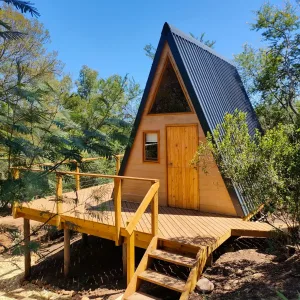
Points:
(109, 36)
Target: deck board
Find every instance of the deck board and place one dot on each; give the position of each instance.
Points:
(96, 206)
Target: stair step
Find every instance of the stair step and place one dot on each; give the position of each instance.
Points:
(174, 258)
(163, 280)
(141, 296)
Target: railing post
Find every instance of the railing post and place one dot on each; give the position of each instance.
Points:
(154, 213)
(77, 177)
(15, 175)
(118, 164)
(117, 205)
(58, 198)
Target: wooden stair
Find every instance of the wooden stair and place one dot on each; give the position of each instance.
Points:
(172, 253)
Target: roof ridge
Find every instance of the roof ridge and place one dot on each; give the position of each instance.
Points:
(191, 39)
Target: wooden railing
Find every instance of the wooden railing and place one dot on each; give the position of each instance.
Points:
(39, 168)
(151, 197)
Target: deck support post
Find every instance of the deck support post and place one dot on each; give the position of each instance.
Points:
(124, 259)
(66, 251)
(27, 257)
(130, 257)
(209, 261)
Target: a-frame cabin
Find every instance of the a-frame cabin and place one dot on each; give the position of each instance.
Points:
(160, 203)
(188, 92)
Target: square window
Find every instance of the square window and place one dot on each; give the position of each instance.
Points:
(151, 146)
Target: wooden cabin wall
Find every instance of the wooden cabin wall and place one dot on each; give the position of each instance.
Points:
(214, 196)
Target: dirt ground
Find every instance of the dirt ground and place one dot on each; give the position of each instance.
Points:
(253, 274)
(244, 268)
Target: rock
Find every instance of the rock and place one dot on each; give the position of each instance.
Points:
(85, 298)
(25, 282)
(227, 287)
(205, 286)
(257, 275)
(239, 272)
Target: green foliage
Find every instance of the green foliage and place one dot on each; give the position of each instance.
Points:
(266, 167)
(42, 121)
(271, 74)
(281, 296)
(24, 7)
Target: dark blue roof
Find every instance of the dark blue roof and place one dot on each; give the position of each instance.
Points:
(213, 84)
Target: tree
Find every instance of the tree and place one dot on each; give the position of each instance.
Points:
(271, 74)
(99, 112)
(24, 7)
(150, 49)
(266, 167)
(29, 90)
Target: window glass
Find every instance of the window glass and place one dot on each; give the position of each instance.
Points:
(169, 97)
(151, 146)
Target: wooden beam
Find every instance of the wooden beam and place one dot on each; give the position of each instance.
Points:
(66, 251)
(141, 209)
(27, 256)
(253, 213)
(130, 257)
(118, 208)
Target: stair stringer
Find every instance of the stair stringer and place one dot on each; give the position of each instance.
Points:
(145, 262)
(194, 273)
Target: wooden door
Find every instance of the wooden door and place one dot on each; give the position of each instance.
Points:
(183, 184)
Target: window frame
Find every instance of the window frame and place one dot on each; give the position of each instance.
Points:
(157, 85)
(158, 146)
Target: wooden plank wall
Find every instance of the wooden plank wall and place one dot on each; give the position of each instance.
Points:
(214, 196)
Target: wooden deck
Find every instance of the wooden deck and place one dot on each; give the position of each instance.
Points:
(179, 236)
(92, 211)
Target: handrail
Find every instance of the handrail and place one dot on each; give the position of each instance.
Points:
(106, 176)
(151, 197)
(141, 209)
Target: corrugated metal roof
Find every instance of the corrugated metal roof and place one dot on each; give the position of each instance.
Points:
(213, 84)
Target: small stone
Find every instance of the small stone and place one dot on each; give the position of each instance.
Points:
(205, 286)
(239, 272)
(85, 298)
(25, 282)
(66, 292)
(257, 275)
(227, 287)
